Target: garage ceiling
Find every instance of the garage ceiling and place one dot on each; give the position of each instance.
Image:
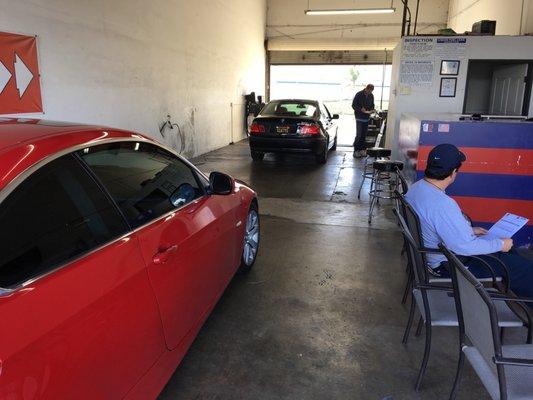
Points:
(297, 38)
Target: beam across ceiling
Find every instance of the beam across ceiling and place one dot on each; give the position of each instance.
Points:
(329, 57)
(370, 44)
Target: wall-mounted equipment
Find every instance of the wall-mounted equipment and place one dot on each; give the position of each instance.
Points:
(485, 27)
(252, 107)
(175, 138)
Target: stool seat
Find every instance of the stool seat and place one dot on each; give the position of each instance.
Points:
(387, 165)
(376, 152)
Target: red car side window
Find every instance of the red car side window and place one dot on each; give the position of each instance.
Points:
(144, 180)
(55, 215)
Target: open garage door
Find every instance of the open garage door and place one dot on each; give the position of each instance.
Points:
(335, 85)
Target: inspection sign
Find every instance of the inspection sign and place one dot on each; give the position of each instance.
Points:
(20, 87)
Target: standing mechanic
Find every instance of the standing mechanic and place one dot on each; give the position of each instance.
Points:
(363, 106)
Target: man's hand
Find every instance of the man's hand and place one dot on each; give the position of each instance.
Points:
(507, 245)
(478, 231)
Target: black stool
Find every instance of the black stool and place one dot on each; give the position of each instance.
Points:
(384, 182)
(372, 154)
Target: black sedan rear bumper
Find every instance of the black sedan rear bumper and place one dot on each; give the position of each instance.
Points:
(313, 145)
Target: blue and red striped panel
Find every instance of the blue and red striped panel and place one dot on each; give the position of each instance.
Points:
(497, 176)
(491, 135)
(497, 161)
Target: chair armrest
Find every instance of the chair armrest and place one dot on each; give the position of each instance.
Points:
(499, 296)
(429, 286)
(428, 250)
(487, 266)
(505, 269)
(520, 362)
(520, 302)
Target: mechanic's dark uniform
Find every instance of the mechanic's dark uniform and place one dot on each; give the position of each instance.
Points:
(366, 101)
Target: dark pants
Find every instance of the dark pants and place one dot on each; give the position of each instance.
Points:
(520, 271)
(360, 138)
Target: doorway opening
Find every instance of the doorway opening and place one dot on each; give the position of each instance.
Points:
(498, 87)
(335, 86)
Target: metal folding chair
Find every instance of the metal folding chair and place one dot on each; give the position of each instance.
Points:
(433, 297)
(506, 371)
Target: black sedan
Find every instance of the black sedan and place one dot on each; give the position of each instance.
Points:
(294, 126)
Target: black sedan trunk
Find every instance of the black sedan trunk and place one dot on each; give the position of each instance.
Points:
(282, 126)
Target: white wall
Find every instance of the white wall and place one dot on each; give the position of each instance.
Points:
(419, 100)
(527, 19)
(507, 14)
(287, 23)
(129, 63)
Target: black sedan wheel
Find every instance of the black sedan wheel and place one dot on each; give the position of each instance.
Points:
(322, 158)
(257, 155)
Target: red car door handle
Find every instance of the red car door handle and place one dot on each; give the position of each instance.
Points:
(162, 256)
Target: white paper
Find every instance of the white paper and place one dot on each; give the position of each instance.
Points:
(416, 72)
(508, 225)
(447, 87)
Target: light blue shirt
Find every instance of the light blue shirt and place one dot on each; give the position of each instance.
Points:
(442, 221)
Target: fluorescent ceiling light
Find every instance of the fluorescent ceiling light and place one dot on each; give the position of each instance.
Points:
(351, 11)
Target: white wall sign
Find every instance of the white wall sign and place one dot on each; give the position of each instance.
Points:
(416, 72)
(448, 87)
(450, 48)
(418, 47)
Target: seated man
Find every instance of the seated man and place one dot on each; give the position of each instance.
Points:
(442, 220)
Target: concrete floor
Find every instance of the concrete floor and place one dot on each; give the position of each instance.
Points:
(319, 316)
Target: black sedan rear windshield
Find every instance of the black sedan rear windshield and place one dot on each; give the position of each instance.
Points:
(289, 109)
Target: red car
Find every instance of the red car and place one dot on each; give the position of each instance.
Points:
(113, 252)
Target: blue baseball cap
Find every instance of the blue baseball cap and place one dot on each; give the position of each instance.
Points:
(444, 158)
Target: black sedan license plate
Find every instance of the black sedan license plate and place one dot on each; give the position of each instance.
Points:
(282, 129)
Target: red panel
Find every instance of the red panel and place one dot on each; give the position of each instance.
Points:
(489, 161)
(157, 377)
(203, 263)
(491, 210)
(20, 88)
(87, 331)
